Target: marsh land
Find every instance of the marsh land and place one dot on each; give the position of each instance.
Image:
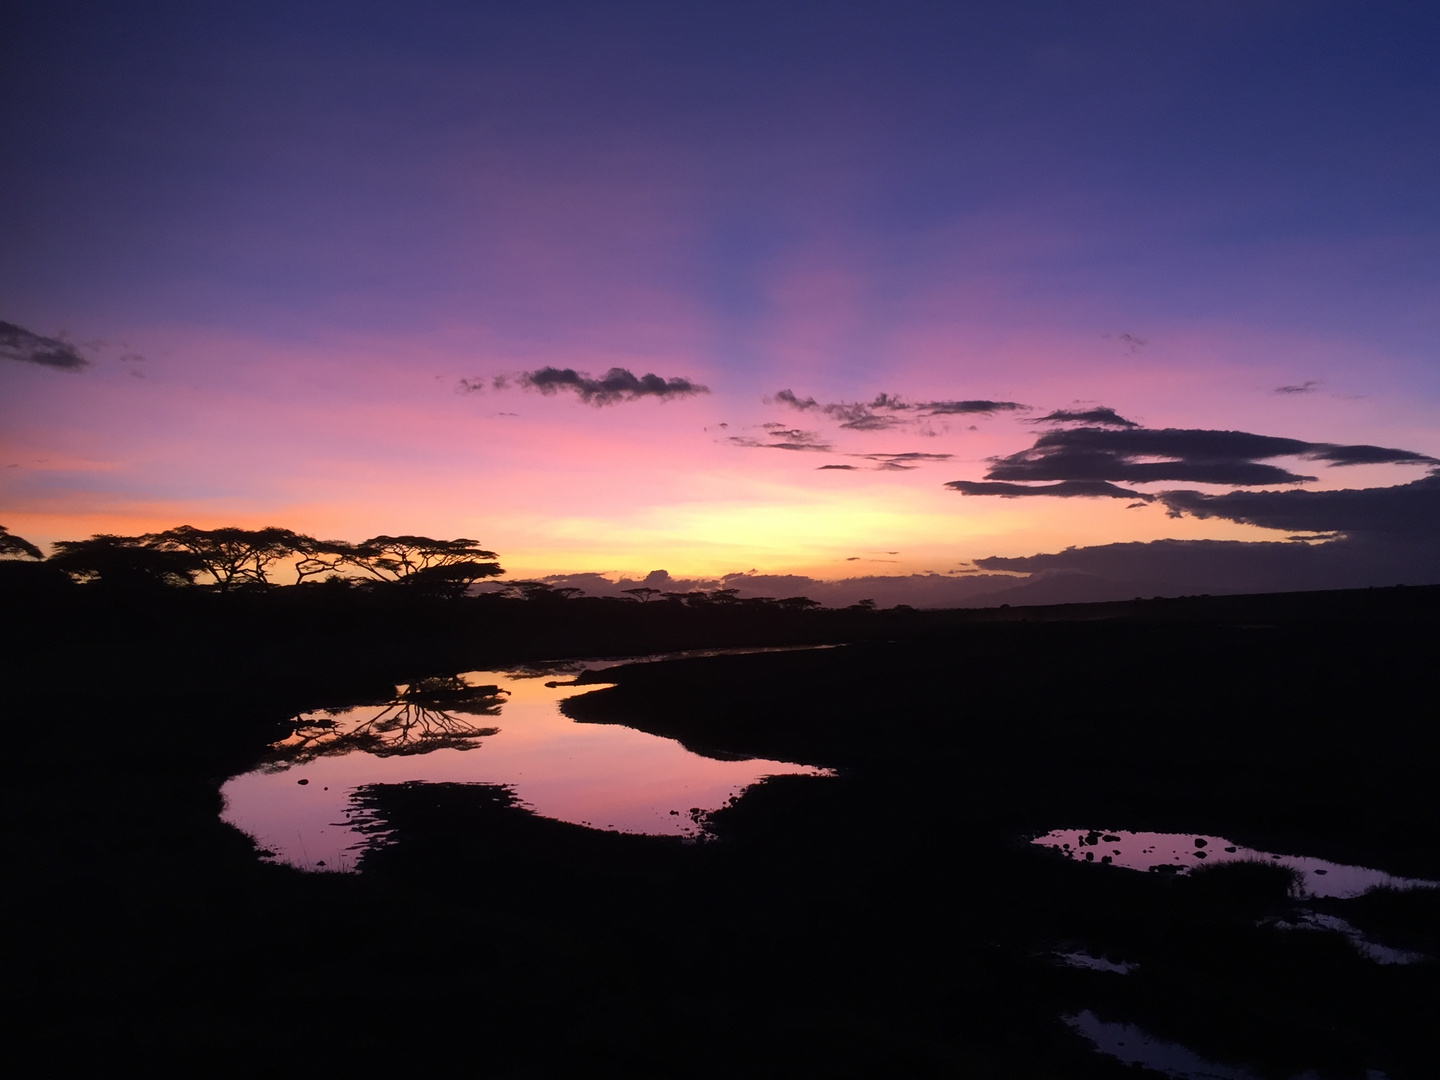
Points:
(885, 914)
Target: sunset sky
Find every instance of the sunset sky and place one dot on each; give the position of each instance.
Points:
(364, 268)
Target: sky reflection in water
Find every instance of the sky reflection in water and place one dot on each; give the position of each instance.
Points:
(1185, 851)
(1134, 1046)
(607, 776)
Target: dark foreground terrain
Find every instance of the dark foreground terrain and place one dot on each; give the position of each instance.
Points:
(891, 921)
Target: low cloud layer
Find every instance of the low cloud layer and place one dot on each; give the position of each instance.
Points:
(614, 387)
(779, 437)
(1187, 455)
(17, 343)
(888, 411)
(1188, 567)
(1097, 417)
(1064, 489)
(902, 462)
(1081, 575)
(1374, 534)
(1405, 512)
(917, 590)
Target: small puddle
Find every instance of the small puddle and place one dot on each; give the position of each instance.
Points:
(1133, 1046)
(1371, 950)
(1086, 962)
(1182, 852)
(493, 727)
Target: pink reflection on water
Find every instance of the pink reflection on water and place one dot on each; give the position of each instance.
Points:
(606, 776)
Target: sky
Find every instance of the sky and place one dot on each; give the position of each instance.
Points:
(800, 292)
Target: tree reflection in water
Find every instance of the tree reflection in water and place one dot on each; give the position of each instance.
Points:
(430, 714)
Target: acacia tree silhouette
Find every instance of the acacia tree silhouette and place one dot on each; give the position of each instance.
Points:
(699, 598)
(124, 561)
(445, 567)
(232, 555)
(319, 556)
(397, 558)
(10, 544)
(797, 603)
(540, 590)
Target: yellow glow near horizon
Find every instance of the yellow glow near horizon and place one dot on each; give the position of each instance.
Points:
(832, 534)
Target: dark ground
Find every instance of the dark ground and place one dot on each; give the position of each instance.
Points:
(890, 922)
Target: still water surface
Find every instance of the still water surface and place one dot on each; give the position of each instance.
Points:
(493, 727)
(1136, 1047)
(1182, 852)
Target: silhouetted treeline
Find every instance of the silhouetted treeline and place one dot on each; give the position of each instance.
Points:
(231, 559)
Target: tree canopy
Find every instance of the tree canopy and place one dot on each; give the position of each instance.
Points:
(124, 561)
(315, 557)
(540, 590)
(401, 558)
(232, 555)
(10, 544)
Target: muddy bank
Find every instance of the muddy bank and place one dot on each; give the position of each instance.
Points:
(1317, 731)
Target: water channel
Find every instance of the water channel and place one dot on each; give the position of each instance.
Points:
(493, 727)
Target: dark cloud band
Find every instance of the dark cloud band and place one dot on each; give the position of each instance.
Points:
(1088, 461)
(1186, 567)
(888, 411)
(1098, 417)
(783, 438)
(1064, 489)
(979, 407)
(1404, 511)
(1196, 456)
(897, 462)
(615, 386)
(17, 343)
